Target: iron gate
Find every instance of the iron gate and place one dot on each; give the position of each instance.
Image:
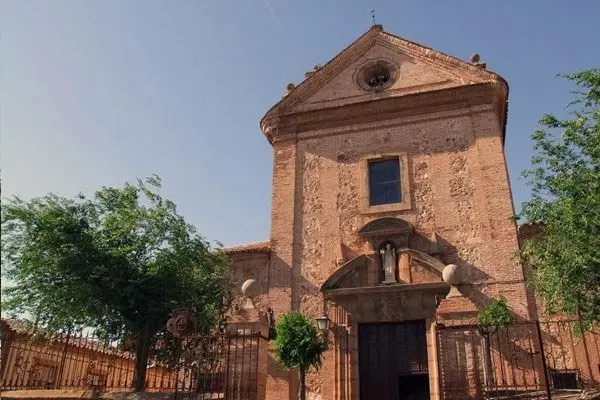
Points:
(527, 360)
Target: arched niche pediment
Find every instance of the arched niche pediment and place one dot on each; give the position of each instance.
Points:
(394, 260)
(385, 227)
(431, 263)
(359, 272)
(351, 274)
(417, 267)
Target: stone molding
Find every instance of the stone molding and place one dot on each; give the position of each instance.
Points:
(395, 122)
(390, 289)
(385, 226)
(336, 282)
(288, 126)
(337, 278)
(364, 201)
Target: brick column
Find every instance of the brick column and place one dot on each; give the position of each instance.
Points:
(282, 259)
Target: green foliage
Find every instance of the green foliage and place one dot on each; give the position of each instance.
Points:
(495, 315)
(119, 261)
(565, 181)
(298, 344)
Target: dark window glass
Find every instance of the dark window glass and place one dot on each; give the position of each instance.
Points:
(384, 182)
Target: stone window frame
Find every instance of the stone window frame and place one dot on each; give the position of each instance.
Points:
(365, 205)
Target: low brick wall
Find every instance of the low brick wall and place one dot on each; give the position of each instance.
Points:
(89, 394)
(47, 394)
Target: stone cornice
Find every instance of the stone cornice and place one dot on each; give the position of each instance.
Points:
(447, 113)
(288, 126)
(394, 289)
(441, 60)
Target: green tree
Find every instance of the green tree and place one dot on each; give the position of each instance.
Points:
(494, 316)
(298, 345)
(119, 261)
(565, 182)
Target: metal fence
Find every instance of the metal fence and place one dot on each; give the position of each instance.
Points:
(527, 360)
(226, 365)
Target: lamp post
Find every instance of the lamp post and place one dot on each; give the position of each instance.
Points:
(323, 325)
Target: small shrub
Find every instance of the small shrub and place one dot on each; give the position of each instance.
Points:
(299, 345)
(495, 315)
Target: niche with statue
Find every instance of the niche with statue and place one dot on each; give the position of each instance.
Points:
(397, 257)
(388, 259)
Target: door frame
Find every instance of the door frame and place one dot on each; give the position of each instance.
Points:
(431, 347)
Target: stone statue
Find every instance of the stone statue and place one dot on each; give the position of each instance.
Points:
(388, 259)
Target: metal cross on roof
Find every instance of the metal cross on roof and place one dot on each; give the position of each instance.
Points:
(373, 16)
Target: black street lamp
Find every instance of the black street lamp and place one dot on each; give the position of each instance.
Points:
(323, 325)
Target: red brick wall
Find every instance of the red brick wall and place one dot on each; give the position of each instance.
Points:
(459, 187)
(249, 265)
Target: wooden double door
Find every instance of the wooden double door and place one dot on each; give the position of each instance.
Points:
(393, 361)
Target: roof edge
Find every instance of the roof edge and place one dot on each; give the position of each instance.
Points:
(254, 247)
(319, 72)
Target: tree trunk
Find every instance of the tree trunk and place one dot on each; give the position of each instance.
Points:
(487, 361)
(63, 360)
(302, 391)
(142, 352)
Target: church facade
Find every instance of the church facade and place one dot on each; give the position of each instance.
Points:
(391, 214)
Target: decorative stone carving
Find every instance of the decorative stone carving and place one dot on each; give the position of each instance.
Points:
(476, 60)
(389, 262)
(182, 322)
(289, 88)
(453, 275)
(250, 289)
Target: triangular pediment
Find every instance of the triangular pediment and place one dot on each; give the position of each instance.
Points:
(417, 69)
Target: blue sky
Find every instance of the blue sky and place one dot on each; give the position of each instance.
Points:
(101, 92)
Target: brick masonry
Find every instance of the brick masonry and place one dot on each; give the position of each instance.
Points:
(447, 117)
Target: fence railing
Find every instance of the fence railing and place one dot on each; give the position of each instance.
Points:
(527, 360)
(226, 365)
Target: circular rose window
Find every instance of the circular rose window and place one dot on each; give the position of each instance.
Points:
(376, 75)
